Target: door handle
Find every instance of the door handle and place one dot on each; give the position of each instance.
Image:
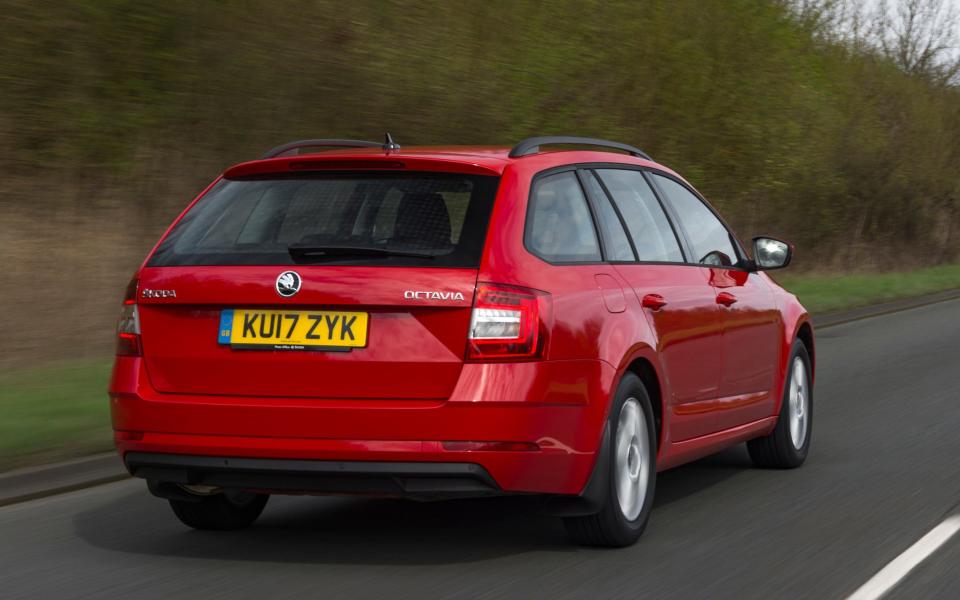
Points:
(653, 301)
(726, 298)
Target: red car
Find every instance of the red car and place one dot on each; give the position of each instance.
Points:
(447, 322)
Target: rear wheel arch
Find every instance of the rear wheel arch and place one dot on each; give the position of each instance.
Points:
(644, 369)
(593, 495)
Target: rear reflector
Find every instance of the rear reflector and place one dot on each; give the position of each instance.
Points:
(507, 323)
(128, 344)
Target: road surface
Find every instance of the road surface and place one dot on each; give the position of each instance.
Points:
(883, 471)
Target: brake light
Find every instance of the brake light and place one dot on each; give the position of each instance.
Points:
(508, 323)
(128, 327)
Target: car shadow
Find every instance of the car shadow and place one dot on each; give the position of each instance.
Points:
(334, 531)
(368, 531)
(694, 478)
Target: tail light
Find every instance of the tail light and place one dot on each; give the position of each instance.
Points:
(508, 323)
(128, 327)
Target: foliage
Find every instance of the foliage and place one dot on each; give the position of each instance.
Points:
(113, 113)
(841, 151)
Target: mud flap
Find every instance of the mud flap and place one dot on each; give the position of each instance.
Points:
(594, 494)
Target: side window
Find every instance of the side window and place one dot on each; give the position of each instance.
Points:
(653, 237)
(709, 237)
(616, 242)
(559, 225)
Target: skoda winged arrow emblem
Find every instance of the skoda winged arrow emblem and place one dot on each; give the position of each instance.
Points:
(288, 283)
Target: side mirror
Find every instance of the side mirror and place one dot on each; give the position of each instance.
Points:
(770, 253)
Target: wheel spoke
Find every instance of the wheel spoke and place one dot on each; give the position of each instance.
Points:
(632, 459)
(798, 404)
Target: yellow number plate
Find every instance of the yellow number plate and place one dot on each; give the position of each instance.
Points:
(293, 329)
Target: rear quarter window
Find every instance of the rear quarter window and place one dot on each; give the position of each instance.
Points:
(559, 225)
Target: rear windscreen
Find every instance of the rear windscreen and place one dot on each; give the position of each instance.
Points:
(413, 219)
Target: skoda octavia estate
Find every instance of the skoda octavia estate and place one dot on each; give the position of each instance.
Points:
(348, 317)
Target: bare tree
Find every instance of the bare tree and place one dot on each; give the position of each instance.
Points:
(852, 23)
(826, 18)
(921, 36)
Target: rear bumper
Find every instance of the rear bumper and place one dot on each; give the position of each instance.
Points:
(407, 479)
(557, 410)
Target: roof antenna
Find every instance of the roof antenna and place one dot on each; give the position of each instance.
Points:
(389, 145)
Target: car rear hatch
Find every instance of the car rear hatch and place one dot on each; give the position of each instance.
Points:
(338, 285)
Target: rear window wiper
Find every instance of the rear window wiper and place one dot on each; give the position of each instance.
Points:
(316, 251)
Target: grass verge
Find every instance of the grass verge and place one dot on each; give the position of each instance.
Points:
(831, 293)
(55, 412)
(61, 411)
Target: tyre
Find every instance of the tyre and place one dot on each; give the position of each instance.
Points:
(787, 446)
(220, 512)
(631, 479)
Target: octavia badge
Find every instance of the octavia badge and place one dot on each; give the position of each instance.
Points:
(288, 283)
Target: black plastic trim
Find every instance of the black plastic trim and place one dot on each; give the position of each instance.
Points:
(616, 209)
(594, 210)
(532, 145)
(407, 479)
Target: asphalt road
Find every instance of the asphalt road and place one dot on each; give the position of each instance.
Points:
(884, 469)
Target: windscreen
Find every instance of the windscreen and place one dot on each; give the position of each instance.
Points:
(411, 219)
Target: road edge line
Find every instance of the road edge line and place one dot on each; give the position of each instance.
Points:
(900, 567)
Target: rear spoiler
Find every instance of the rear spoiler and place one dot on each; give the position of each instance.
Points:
(355, 160)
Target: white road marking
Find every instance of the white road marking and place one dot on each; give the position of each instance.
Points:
(897, 569)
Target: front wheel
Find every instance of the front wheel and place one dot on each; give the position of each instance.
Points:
(224, 511)
(632, 473)
(787, 446)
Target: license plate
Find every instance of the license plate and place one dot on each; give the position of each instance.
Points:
(330, 330)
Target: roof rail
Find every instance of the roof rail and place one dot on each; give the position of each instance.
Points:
(532, 145)
(388, 145)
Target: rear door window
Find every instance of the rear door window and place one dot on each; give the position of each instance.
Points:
(559, 224)
(653, 237)
(417, 219)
